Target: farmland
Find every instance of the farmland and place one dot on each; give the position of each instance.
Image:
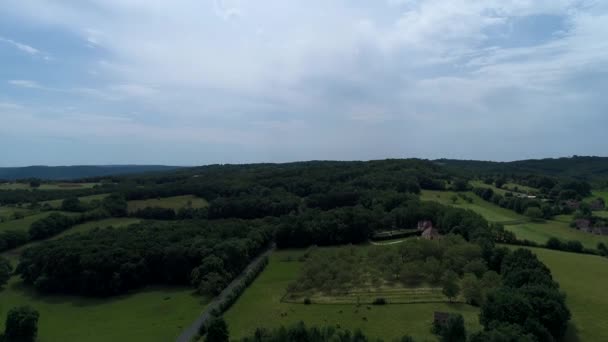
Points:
(261, 305)
(175, 203)
(152, 314)
(24, 223)
(489, 211)
(47, 186)
(84, 199)
(583, 279)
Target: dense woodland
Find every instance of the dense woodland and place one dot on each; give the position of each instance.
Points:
(296, 205)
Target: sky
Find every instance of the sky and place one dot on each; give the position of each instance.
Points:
(193, 82)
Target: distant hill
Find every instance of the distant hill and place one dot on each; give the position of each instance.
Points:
(77, 171)
(591, 168)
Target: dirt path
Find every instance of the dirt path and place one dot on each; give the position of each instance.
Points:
(192, 330)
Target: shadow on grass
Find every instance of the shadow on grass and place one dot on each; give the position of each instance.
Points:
(572, 333)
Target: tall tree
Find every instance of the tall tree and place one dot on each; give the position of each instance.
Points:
(21, 324)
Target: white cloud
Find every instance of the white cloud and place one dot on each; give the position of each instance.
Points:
(23, 47)
(25, 84)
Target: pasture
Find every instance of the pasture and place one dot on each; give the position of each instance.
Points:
(86, 199)
(540, 232)
(25, 223)
(489, 211)
(47, 186)
(261, 306)
(175, 203)
(13, 254)
(583, 278)
(152, 314)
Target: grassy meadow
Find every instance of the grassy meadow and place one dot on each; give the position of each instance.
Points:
(47, 186)
(540, 232)
(175, 203)
(152, 314)
(489, 211)
(583, 278)
(86, 199)
(25, 223)
(261, 306)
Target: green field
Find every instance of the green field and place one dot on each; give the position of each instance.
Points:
(175, 203)
(6, 213)
(48, 186)
(540, 232)
(489, 211)
(261, 306)
(583, 278)
(14, 254)
(153, 314)
(24, 223)
(86, 199)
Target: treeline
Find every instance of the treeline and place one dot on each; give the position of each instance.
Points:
(524, 206)
(528, 302)
(113, 261)
(300, 332)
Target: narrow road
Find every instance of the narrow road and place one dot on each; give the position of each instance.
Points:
(192, 330)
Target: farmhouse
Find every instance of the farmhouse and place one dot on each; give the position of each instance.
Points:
(598, 204)
(583, 225)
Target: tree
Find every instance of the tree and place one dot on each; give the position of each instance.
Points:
(450, 289)
(35, 183)
(5, 271)
(535, 213)
(454, 330)
(72, 204)
(454, 199)
(217, 330)
(472, 290)
(21, 324)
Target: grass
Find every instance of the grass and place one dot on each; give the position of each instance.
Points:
(6, 213)
(47, 186)
(24, 223)
(540, 232)
(14, 254)
(175, 203)
(489, 211)
(261, 306)
(583, 278)
(86, 199)
(153, 314)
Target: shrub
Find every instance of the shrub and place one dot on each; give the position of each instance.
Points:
(380, 301)
(307, 301)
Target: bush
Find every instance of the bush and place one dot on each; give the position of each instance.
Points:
(307, 301)
(21, 324)
(380, 301)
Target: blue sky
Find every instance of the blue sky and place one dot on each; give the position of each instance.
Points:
(191, 82)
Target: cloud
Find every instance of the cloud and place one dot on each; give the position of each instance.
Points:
(384, 74)
(23, 47)
(25, 84)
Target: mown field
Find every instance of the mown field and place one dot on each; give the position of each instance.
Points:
(25, 223)
(489, 211)
(47, 186)
(522, 227)
(540, 232)
(175, 203)
(13, 254)
(85, 199)
(583, 278)
(261, 306)
(153, 314)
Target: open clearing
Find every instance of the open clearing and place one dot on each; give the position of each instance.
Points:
(489, 211)
(540, 232)
(86, 199)
(153, 314)
(47, 186)
(583, 278)
(14, 254)
(175, 203)
(25, 223)
(261, 306)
